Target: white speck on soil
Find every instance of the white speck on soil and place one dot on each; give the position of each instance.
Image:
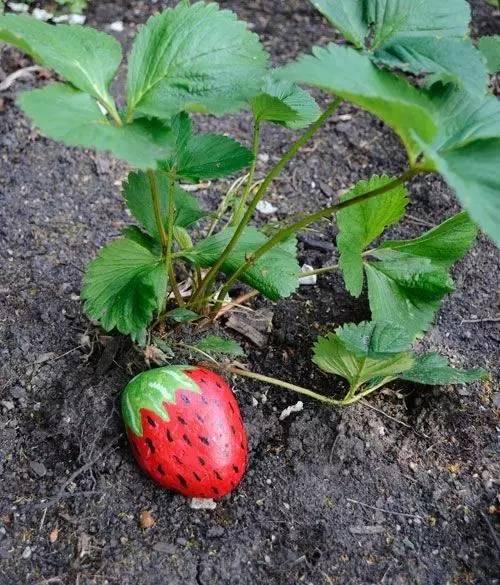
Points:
(202, 504)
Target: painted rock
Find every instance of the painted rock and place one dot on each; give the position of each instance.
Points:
(186, 430)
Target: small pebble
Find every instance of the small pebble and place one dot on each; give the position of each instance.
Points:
(38, 468)
(41, 14)
(266, 208)
(116, 26)
(26, 553)
(202, 504)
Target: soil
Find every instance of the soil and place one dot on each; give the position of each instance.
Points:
(400, 492)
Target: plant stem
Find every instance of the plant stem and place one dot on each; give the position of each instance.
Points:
(155, 196)
(248, 186)
(170, 239)
(346, 401)
(273, 173)
(282, 384)
(286, 232)
(318, 271)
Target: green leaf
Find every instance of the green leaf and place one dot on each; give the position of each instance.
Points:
(124, 286)
(444, 244)
(347, 73)
(88, 59)
(137, 194)
(406, 289)
(424, 37)
(448, 60)
(285, 103)
(361, 224)
(347, 16)
(194, 58)
(182, 315)
(151, 390)
(433, 369)
(490, 48)
(274, 275)
(210, 156)
(333, 357)
(74, 118)
(374, 339)
(214, 345)
(466, 152)
(203, 156)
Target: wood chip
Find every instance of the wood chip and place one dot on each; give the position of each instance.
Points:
(254, 326)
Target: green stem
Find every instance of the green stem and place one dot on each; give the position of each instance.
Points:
(282, 384)
(273, 173)
(318, 271)
(286, 232)
(346, 401)
(238, 214)
(170, 239)
(155, 197)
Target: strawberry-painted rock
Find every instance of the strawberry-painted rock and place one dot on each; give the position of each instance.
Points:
(186, 430)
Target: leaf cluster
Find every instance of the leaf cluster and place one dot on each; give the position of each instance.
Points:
(371, 354)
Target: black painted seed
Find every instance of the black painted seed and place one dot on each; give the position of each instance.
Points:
(231, 407)
(203, 381)
(186, 439)
(201, 460)
(200, 418)
(160, 470)
(151, 421)
(150, 445)
(177, 460)
(242, 445)
(204, 440)
(236, 469)
(204, 400)
(217, 475)
(233, 430)
(181, 420)
(182, 480)
(169, 436)
(197, 477)
(215, 490)
(218, 385)
(185, 399)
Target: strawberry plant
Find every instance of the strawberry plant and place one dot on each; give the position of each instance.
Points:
(413, 65)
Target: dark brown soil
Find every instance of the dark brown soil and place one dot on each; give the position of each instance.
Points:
(351, 497)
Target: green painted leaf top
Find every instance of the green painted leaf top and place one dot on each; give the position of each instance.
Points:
(151, 390)
(193, 58)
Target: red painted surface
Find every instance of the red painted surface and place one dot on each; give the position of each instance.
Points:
(202, 450)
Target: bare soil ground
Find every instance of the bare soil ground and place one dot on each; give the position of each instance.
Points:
(351, 497)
